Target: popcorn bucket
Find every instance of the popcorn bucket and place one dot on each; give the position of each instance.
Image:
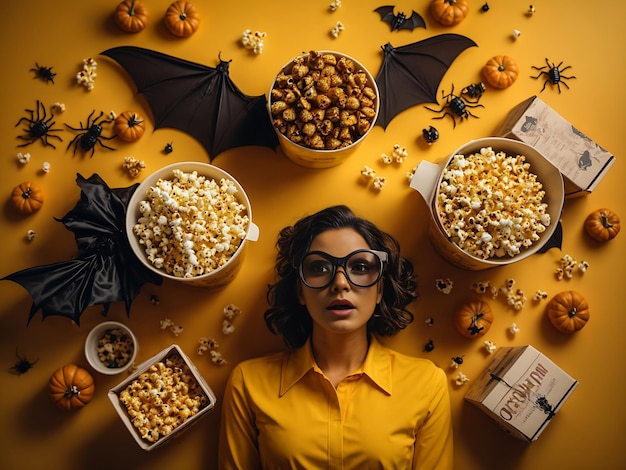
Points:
(428, 179)
(310, 157)
(216, 277)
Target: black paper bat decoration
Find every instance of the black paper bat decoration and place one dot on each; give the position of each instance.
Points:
(400, 21)
(105, 269)
(411, 74)
(199, 100)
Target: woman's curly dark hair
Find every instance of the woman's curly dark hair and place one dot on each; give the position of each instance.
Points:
(288, 317)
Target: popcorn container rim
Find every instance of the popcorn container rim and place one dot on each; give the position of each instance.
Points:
(113, 395)
(218, 277)
(92, 355)
(312, 158)
(427, 180)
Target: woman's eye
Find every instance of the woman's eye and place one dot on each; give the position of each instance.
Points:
(319, 267)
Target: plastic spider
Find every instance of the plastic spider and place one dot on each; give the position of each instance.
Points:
(455, 106)
(44, 73)
(474, 91)
(39, 126)
(23, 365)
(553, 74)
(92, 134)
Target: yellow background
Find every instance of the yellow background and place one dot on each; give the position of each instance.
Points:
(588, 432)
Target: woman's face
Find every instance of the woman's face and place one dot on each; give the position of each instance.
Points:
(341, 307)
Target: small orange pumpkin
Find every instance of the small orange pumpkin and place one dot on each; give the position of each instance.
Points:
(473, 319)
(500, 71)
(182, 19)
(449, 12)
(131, 16)
(568, 311)
(602, 225)
(71, 387)
(27, 197)
(129, 126)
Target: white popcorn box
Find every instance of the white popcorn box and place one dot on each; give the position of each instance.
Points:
(114, 396)
(521, 390)
(582, 162)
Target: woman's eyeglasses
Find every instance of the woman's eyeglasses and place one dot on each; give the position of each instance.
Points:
(363, 268)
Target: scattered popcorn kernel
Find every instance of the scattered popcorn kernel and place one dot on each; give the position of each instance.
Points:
(45, 167)
(430, 321)
(490, 346)
(583, 266)
(513, 329)
(399, 153)
(559, 273)
(368, 172)
(337, 29)
(217, 358)
(87, 75)
(133, 166)
(334, 5)
(379, 182)
(531, 10)
(540, 295)
(461, 379)
(516, 33)
(176, 329)
(227, 327)
(444, 285)
(386, 158)
(253, 41)
(231, 311)
(30, 235)
(58, 107)
(23, 158)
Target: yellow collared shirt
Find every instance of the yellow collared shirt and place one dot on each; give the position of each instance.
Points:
(281, 412)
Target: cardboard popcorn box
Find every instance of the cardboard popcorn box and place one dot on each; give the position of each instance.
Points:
(582, 162)
(521, 390)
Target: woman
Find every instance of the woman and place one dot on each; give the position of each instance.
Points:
(337, 398)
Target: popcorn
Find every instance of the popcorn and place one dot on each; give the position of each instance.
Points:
(166, 323)
(490, 346)
(133, 166)
(337, 29)
(540, 295)
(490, 204)
(461, 379)
(231, 311)
(45, 167)
(444, 285)
(115, 348)
(455, 362)
(334, 5)
(216, 357)
(87, 75)
(176, 329)
(368, 172)
(58, 107)
(30, 235)
(513, 329)
(516, 33)
(191, 225)
(227, 327)
(379, 182)
(253, 41)
(399, 153)
(23, 158)
(163, 398)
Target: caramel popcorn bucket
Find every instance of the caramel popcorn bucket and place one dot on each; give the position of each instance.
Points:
(296, 141)
(463, 253)
(198, 213)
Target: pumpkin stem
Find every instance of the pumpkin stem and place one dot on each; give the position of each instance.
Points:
(571, 312)
(131, 10)
(133, 121)
(605, 221)
(182, 16)
(71, 392)
(26, 194)
(473, 328)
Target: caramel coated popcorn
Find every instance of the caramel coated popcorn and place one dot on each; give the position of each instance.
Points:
(191, 225)
(163, 398)
(491, 204)
(323, 102)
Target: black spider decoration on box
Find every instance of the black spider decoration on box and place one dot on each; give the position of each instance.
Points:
(553, 74)
(39, 126)
(91, 135)
(474, 91)
(455, 107)
(43, 73)
(23, 365)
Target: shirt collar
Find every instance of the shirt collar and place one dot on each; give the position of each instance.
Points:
(377, 366)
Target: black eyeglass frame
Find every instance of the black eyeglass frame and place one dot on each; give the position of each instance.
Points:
(336, 262)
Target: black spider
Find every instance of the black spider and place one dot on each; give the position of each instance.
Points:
(431, 134)
(458, 360)
(39, 126)
(169, 148)
(23, 365)
(455, 106)
(92, 134)
(474, 91)
(43, 73)
(553, 74)
(430, 346)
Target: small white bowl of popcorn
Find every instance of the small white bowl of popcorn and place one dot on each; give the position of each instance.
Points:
(190, 222)
(322, 105)
(494, 201)
(111, 348)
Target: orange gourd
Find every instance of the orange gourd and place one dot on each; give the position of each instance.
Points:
(131, 16)
(129, 126)
(602, 225)
(182, 19)
(500, 71)
(449, 12)
(473, 319)
(568, 311)
(27, 197)
(71, 387)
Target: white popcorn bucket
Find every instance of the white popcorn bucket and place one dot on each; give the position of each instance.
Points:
(217, 277)
(427, 180)
(311, 158)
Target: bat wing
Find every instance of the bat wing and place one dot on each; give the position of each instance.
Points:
(105, 269)
(397, 22)
(411, 74)
(199, 100)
